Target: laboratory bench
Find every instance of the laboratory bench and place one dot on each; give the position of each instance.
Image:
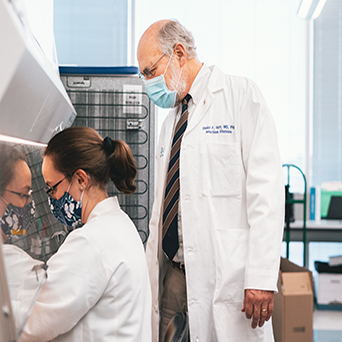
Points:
(318, 231)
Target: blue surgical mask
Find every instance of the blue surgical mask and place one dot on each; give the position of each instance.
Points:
(17, 220)
(67, 210)
(159, 93)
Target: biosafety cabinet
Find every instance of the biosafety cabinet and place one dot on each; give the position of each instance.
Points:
(113, 101)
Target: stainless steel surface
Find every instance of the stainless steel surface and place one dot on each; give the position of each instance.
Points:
(33, 102)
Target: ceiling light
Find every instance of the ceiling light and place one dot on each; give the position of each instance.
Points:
(310, 9)
(6, 138)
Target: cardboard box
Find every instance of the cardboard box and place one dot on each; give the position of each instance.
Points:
(329, 291)
(293, 304)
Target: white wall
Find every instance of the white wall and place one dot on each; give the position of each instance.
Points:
(263, 40)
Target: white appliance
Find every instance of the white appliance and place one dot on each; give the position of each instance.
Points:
(33, 106)
(33, 102)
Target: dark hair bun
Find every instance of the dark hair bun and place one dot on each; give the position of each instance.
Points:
(108, 145)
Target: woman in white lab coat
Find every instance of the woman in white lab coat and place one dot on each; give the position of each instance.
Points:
(98, 287)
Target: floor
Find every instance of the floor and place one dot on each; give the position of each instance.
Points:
(327, 326)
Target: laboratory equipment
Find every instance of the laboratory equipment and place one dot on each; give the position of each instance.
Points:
(113, 101)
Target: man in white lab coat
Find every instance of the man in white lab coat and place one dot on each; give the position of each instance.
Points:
(231, 195)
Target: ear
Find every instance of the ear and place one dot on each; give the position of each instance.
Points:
(82, 179)
(180, 52)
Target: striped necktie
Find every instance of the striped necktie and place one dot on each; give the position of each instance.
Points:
(171, 197)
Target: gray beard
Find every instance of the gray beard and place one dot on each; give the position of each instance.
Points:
(177, 84)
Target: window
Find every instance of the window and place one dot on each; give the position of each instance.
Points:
(327, 91)
(92, 32)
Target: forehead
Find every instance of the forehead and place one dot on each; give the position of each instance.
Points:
(148, 52)
(50, 174)
(21, 175)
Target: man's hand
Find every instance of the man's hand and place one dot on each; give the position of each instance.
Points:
(258, 304)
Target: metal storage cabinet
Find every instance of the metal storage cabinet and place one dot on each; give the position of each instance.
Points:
(113, 101)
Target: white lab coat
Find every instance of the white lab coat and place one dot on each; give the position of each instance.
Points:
(24, 277)
(98, 287)
(232, 198)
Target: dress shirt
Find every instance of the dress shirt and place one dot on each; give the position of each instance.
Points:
(196, 92)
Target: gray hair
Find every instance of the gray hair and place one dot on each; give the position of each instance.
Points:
(172, 33)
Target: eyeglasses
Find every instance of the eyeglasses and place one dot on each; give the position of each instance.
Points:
(21, 195)
(50, 191)
(147, 72)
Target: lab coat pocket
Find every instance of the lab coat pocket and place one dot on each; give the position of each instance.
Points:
(220, 169)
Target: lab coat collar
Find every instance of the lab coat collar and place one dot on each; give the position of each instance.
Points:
(109, 204)
(215, 84)
(216, 81)
(197, 89)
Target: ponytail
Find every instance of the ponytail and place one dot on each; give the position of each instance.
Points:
(122, 167)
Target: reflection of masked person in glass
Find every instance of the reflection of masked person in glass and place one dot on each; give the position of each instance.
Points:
(16, 207)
